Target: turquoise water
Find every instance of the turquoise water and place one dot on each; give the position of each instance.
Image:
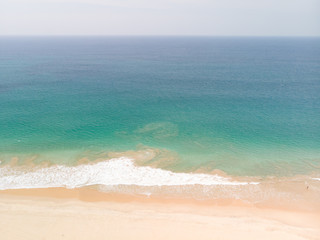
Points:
(247, 106)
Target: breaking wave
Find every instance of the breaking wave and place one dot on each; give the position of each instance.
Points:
(113, 172)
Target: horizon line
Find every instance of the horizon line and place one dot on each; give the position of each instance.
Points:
(146, 35)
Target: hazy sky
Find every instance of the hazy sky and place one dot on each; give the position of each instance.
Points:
(160, 17)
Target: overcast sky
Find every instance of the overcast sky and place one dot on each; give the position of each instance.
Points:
(160, 17)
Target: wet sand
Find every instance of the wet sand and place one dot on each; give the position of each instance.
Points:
(84, 213)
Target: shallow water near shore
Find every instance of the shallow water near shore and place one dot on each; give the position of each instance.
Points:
(237, 110)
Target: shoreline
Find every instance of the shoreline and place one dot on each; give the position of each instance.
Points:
(91, 194)
(121, 176)
(59, 213)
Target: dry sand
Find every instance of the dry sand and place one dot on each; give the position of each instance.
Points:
(87, 214)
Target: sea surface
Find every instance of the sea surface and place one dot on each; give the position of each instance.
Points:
(166, 110)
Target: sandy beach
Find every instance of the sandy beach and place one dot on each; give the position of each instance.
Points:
(60, 213)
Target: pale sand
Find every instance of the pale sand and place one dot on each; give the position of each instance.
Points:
(88, 214)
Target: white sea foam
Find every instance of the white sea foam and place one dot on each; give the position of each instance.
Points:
(316, 179)
(117, 171)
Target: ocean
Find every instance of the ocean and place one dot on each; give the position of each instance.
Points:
(158, 111)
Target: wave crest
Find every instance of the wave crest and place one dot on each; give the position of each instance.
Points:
(113, 172)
